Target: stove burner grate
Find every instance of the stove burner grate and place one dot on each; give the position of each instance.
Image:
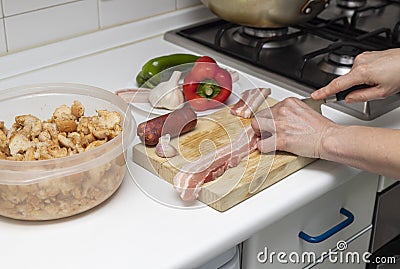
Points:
(340, 61)
(351, 3)
(265, 32)
(268, 37)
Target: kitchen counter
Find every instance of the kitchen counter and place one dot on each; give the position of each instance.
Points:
(145, 225)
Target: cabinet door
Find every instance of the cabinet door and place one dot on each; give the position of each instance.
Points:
(279, 245)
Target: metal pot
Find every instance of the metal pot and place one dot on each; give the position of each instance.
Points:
(266, 13)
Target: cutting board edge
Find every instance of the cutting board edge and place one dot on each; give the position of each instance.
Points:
(150, 164)
(225, 203)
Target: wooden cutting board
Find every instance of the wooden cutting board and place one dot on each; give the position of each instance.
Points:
(254, 173)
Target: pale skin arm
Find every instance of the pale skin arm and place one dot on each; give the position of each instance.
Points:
(298, 129)
(379, 69)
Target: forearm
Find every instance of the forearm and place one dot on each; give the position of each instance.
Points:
(373, 149)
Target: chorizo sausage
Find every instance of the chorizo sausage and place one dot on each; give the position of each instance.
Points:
(177, 122)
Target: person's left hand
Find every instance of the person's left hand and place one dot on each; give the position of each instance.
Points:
(295, 127)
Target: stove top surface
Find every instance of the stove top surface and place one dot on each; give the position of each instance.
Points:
(304, 57)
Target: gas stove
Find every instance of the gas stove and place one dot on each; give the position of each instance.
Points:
(304, 57)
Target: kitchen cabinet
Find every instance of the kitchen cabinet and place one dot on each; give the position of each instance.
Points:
(355, 198)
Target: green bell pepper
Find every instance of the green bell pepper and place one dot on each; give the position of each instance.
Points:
(149, 75)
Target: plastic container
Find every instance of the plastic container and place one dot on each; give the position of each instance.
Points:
(57, 188)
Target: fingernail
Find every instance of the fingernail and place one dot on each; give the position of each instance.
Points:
(349, 100)
(315, 94)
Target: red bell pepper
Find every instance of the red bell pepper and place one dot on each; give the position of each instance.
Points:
(207, 85)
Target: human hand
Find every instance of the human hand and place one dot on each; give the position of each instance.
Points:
(295, 127)
(380, 69)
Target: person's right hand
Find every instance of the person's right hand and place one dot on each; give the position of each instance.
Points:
(380, 69)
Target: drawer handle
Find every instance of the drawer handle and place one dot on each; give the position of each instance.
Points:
(330, 232)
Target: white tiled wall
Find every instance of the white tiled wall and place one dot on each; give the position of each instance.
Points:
(3, 47)
(12, 7)
(114, 12)
(30, 23)
(45, 25)
(186, 3)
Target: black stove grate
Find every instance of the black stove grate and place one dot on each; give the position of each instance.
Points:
(302, 63)
(290, 61)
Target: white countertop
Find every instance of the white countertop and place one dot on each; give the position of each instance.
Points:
(138, 227)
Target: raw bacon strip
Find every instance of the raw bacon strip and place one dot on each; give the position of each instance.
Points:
(212, 165)
(250, 101)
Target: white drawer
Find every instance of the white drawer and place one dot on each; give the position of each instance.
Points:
(357, 196)
(353, 257)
